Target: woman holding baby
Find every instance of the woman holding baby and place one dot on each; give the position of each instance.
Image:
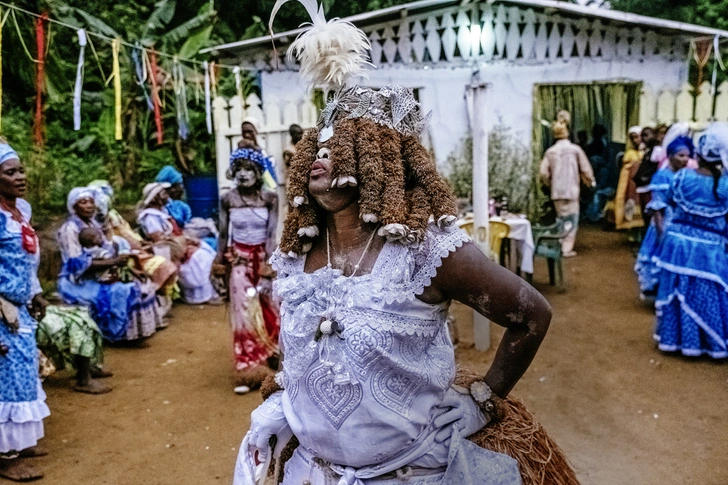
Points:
(123, 311)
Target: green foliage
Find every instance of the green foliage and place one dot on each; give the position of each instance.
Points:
(711, 13)
(460, 166)
(509, 168)
(69, 158)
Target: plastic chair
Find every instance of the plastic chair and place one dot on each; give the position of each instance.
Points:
(466, 225)
(548, 245)
(498, 231)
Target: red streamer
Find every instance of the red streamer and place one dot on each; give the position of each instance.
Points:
(155, 96)
(40, 77)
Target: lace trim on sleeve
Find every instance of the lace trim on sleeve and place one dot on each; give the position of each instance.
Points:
(428, 257)
(284, 265)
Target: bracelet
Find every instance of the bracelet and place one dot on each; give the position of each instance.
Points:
(490, 404)
(271, 385)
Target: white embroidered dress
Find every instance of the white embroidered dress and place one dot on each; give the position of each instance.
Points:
(362, 400)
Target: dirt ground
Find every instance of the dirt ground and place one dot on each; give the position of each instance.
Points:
(623, 412)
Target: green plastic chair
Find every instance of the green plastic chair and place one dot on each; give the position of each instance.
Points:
(548, 245)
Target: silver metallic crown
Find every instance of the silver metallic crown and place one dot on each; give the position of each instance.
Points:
(392, 106)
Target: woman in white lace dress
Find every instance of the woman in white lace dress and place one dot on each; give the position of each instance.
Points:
(369, 262)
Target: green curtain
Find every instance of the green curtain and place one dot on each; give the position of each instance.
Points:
(615, 105)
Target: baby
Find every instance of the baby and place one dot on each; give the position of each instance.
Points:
(92, 242)
(127, 266)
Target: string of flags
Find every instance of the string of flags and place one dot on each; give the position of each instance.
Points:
(146, 71)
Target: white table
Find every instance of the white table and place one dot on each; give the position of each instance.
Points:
(521, 237)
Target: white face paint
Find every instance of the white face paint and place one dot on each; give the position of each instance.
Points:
(246, 177)
(323, 153)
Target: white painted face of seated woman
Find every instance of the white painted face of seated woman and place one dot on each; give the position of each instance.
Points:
(319, 185)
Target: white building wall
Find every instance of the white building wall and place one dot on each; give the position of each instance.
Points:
(442, 89)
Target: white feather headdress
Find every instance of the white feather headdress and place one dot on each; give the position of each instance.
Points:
(329, 52)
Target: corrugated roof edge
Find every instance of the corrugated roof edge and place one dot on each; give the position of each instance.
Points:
(613, 15)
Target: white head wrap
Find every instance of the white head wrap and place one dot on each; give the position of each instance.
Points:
(713, 144)
(252, 121)
(7, 153)
(635, 129)
(151, 191)
(104, 195)
(77, 194)
(676, 130)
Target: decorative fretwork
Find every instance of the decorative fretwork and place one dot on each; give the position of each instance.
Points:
(492, 32)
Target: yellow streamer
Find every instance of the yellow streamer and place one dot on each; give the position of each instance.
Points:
(1, 69)
(115, 46)
(2, 24)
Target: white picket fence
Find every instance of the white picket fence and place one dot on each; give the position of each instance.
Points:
(668, 106)
(665, 106)
(273, 121)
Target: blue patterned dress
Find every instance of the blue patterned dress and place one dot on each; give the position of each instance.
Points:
(22, 400)
(122, 311)
(647, 271)
(692, 299)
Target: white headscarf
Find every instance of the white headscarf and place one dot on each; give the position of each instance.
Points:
(713, 144)
(77, 194)
(7, 153)
(104, 194)
(252, 121)
(635, 129)
(151, 191)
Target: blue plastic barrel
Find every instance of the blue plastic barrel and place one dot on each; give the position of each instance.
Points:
(202, 195)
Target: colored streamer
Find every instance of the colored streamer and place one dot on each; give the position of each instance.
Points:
(238, 85)
(180, 90)
(2, 24)
(1, 68)
(39, 77)
(79, 80)
(213, 79)
(115, 47)
(155, 97)
(208, 103)
(141, 74)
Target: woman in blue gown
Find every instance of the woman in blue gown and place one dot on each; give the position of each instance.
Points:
(679, 152)
(123, 311)
(177, 208)
(692, 299)
(181, 211)
(22, 400)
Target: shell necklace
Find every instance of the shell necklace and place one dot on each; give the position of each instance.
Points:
(328, 326)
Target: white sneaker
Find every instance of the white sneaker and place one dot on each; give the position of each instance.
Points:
(241, 390)
(569, 254)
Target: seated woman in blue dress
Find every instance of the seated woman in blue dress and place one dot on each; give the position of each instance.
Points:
(679, 151)
(177, 208)
(123, 311)
(181, 211)
(692, 299)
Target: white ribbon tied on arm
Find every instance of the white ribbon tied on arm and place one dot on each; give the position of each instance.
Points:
(82, 41)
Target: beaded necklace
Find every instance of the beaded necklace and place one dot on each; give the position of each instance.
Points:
(328, 326)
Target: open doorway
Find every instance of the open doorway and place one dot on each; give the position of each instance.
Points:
(613, 105)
